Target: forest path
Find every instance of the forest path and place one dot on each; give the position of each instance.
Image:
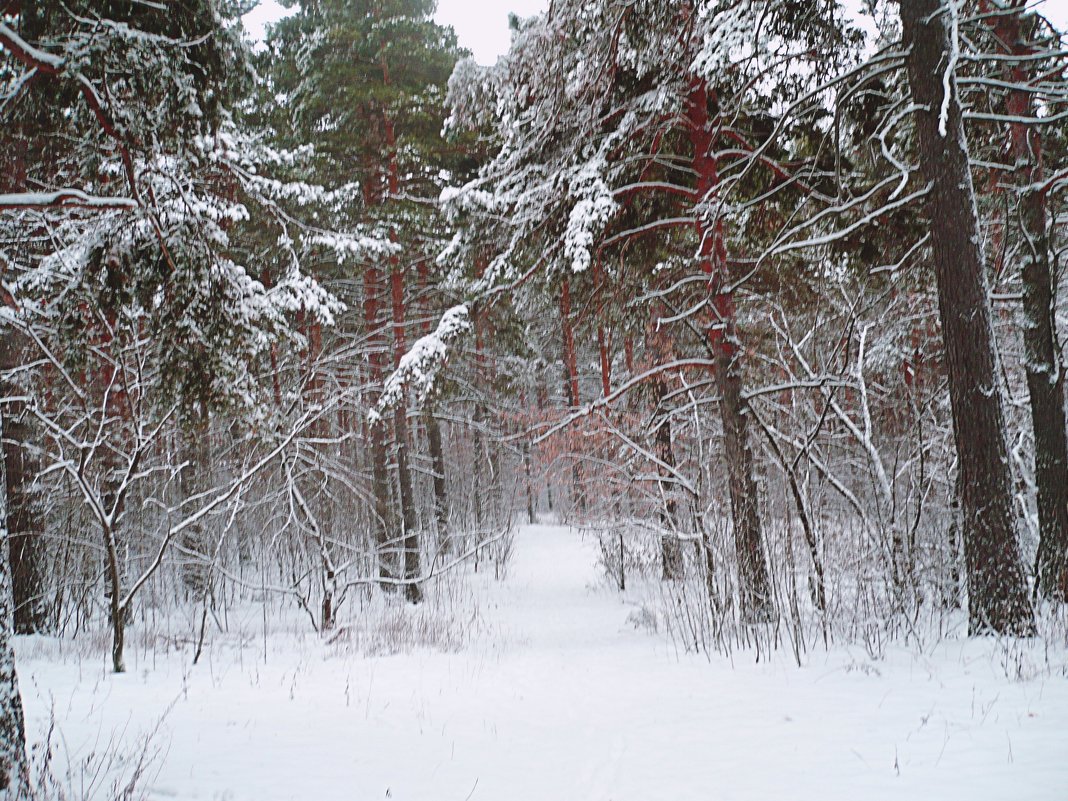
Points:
(557, 698)
(554, 594)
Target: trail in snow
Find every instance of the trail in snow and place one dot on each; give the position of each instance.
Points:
(564, 701)
(551, 597)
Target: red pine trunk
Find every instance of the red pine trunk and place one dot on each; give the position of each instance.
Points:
(755, 586)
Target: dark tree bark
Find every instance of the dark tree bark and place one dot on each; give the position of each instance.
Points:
(604, 345)
(316, 498)
(808, 527)
(409, 534)
(671, 556)
(532, 517)
(12, 726)
(489, 489)
(437, 462)
(997, 589)
(952, 586)
(755, 585)
(115, 610)
(1045, 383)
(1045, 373)
(479, 487)
(110, 515)
(387, 548)
(194, 479)
(434, 446)
(571, 384)
(25, 525)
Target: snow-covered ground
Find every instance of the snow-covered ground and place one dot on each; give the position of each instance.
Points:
(560, 698)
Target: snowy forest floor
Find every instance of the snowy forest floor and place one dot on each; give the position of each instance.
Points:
(557, 697)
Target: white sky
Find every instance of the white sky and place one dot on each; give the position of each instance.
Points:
(1056, 11)
(481, 25)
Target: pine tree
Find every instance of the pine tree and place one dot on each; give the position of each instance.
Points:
(364, 83)
(143, 298)
(996, 587)
(590, 111)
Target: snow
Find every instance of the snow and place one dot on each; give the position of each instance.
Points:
(419, 367)
(560, 698)
(27, 52)
(594, 208)
(64, 197)
(951, 67)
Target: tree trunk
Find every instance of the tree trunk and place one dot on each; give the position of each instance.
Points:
(433, 439)
(755, 586)
(997, 590)
(1045, 374)
(113, 498)
(532, 517)
(754, 583)
(571, 385)
(387, 549)
(112, 508)
(25, 526)
(194, 479)
(671, 557)
(117, 613)
(670, 547)
(1045, 383)
(409, 534)
(808, 527)
(437, 461)
(604, 346)
(528, 468)
(12, 726)
(319, 506)
(951, 579)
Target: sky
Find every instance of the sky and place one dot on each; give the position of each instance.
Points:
(481, 25)
(1056, 11)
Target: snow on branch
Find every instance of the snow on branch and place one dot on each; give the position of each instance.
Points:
(951, 67)
(51, 64)
(354, 245)
(64, 198)
(595, 207)
(27, 53)
(419, 367)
